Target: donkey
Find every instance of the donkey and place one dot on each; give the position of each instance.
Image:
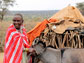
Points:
(46, 54)
(73, 56)
(51, 55)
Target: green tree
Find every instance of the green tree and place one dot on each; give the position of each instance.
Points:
(80, 6)
(4, 5)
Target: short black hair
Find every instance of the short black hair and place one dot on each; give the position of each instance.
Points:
(19, 15)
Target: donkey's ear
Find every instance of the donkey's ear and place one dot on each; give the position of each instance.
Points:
(43, 43)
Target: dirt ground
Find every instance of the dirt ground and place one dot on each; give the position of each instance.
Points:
(1, 57)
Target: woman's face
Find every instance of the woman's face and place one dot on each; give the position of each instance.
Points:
(17, 21)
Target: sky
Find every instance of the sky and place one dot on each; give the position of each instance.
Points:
(23, 5)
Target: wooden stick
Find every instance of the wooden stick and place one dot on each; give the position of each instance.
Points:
(79, 41)
(59, 42)
(67, 40)
(53, 40)
(65, 37)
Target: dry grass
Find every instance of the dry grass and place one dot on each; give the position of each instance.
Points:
(3, 27)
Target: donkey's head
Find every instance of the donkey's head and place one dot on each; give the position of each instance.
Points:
(39, 47)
